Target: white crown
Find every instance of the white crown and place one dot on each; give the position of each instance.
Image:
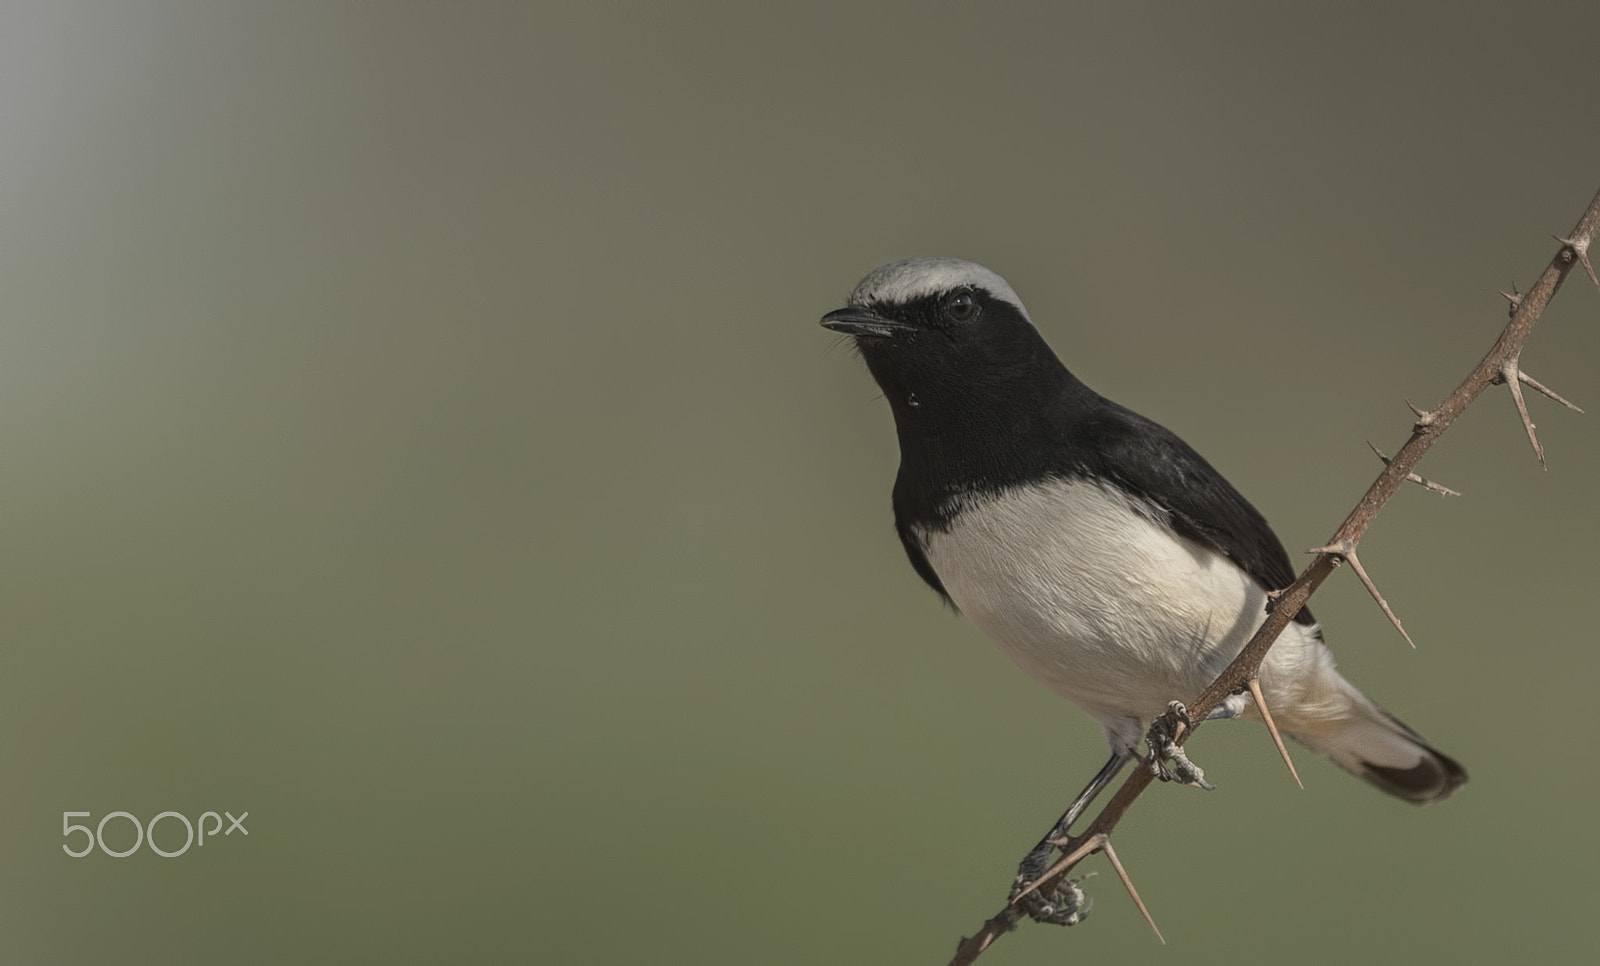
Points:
(916, 278)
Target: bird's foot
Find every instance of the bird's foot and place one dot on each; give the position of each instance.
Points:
(1062, 904)
(1167, 760)
(1231, 707)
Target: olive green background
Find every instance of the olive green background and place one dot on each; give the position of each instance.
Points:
(416, 433)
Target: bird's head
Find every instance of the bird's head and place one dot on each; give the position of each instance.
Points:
(941, 331)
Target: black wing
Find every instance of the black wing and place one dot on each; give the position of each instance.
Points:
(914, 550)
(1149, 460)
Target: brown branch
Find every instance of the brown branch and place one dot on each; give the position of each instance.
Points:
(1500, 365)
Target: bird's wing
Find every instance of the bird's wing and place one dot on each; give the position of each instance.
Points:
(1151, 462)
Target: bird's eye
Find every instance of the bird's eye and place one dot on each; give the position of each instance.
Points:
(961, 307)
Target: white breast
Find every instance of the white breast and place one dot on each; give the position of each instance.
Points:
(1103, 604)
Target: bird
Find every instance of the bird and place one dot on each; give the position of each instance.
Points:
(1098, 551)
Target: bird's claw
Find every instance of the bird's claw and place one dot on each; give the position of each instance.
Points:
(1167, 759)
(1061, 904)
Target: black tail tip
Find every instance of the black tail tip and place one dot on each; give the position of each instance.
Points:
(1434, 779)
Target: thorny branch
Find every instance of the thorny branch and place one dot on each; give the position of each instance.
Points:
(1500, 366)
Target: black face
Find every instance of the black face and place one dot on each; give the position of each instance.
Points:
(962, 349)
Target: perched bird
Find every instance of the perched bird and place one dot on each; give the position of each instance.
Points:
(1097, 550)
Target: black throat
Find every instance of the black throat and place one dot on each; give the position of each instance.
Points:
(976, 417)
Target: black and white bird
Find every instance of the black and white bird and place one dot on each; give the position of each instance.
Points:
(1097, 550)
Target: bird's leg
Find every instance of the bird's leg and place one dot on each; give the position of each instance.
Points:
(1063, 904)
(1167, 760)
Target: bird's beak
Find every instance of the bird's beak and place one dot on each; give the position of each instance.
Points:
(859, 321)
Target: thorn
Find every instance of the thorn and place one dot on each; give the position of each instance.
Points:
(1512, 378)
(1581, 252)
(1425, 417)
(1544, 390)
(1272, 726)
(1515, 298)
(1372, 588)
(1345, 550)
(1128, 884)
(1423, 480)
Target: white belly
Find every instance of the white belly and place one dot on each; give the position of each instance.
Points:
(1108, 608)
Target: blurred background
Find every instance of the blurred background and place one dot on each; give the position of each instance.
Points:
(416, 433)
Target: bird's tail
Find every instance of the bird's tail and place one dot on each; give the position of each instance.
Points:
(1370, 742)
